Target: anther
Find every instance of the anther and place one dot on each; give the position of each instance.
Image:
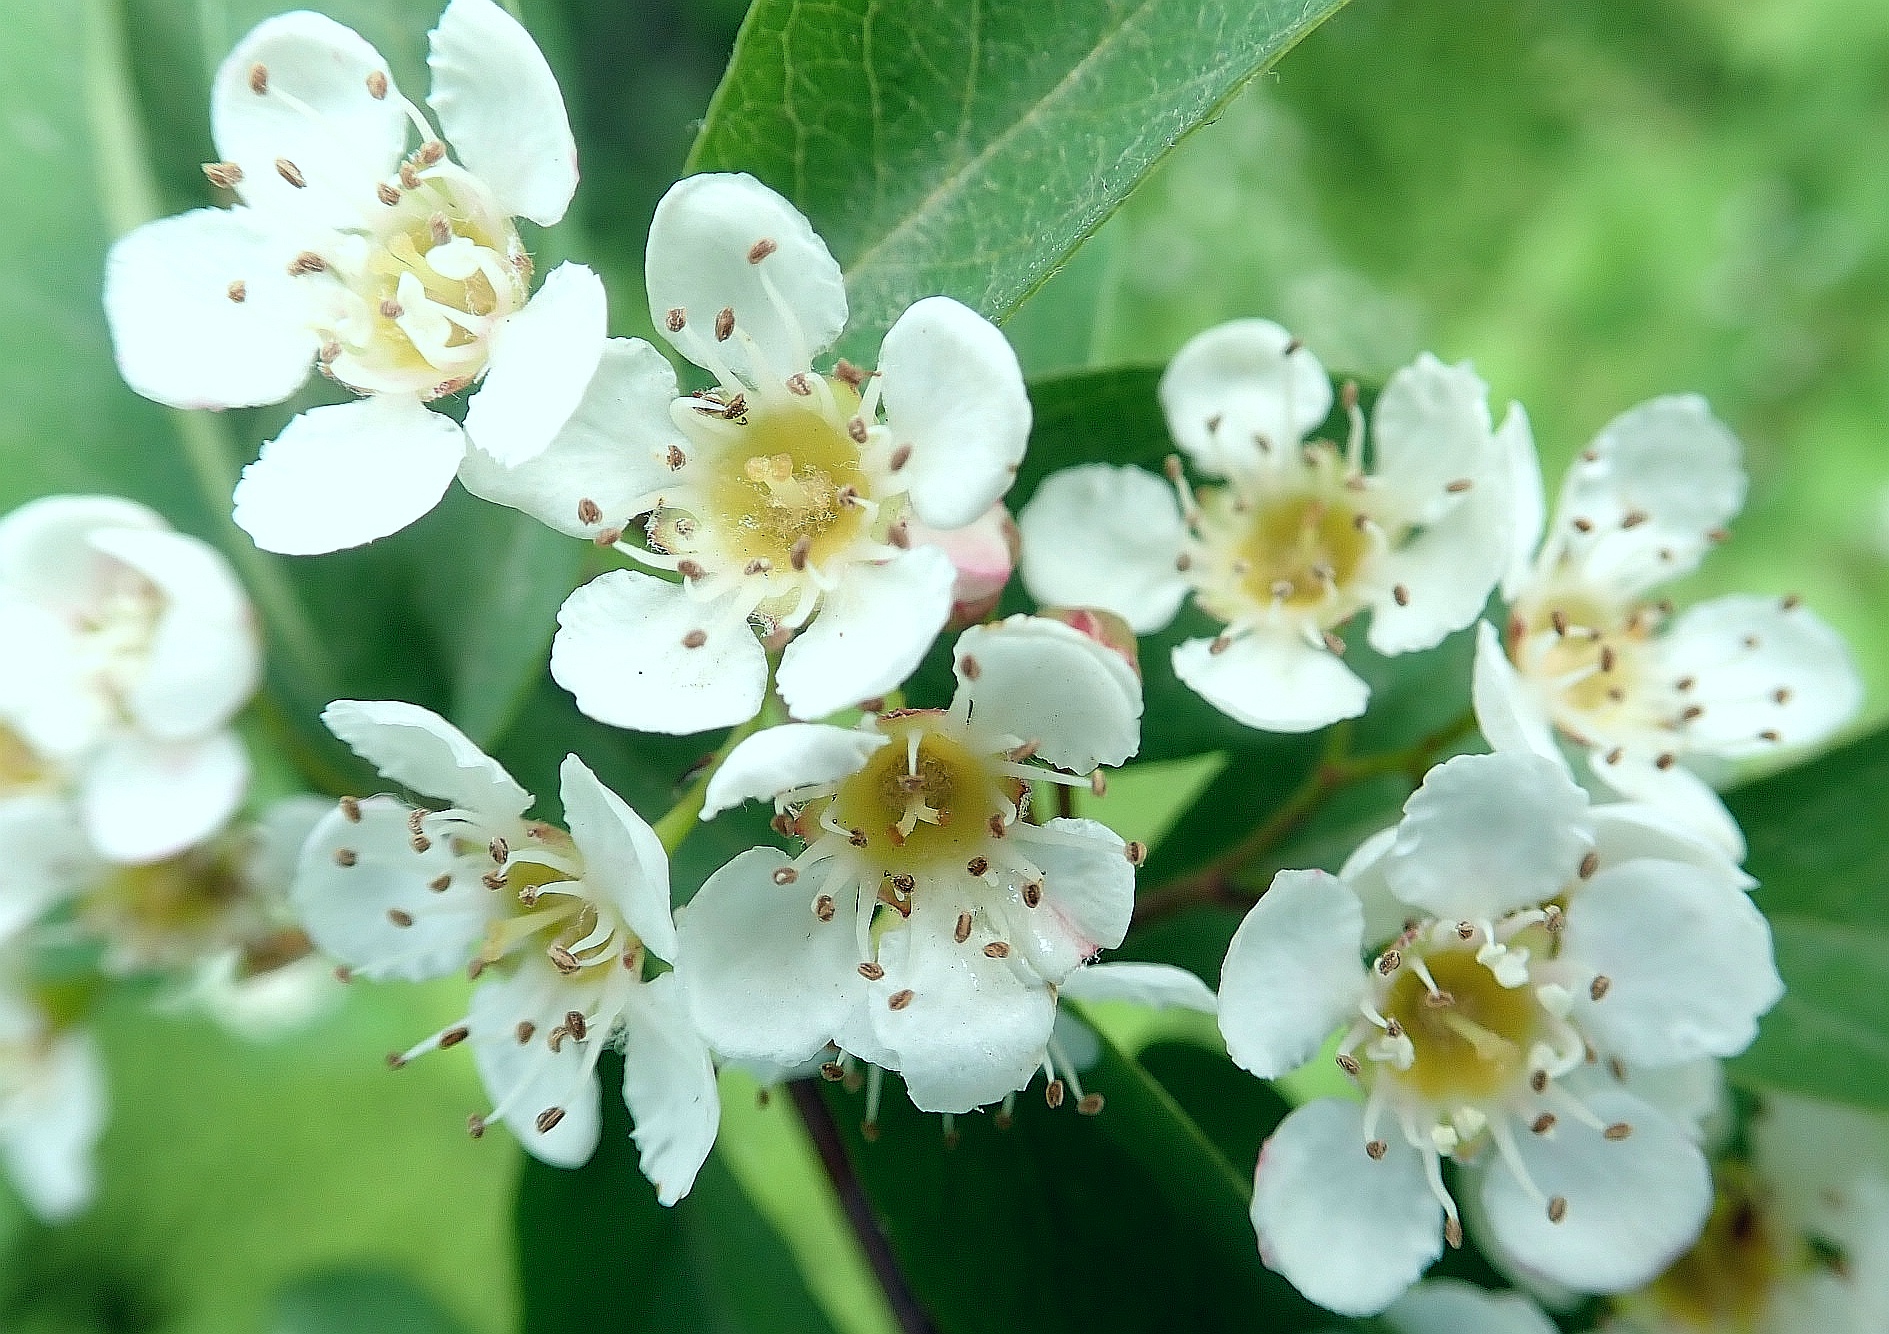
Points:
(832, 1072)
(395, 1061)
(499, 850)
(695, 638)
(1389, 962)
(1791, 602)
(802, 549)
(1543, 1123)
(1400, 595)
(329, 354)
(578, 1025)
(409, 176)
(1376, 1149)
(1590, 864)
(675, 458)
(524, 1031)
(343, 974)
(1781, 695)
(871, 971)
(495, 881)
(392, 309)
(898, 1000)
(856, 428)
(1583, 525)
(978, 865)
(1598, 987)
(1618, 1131)
(1614, 756)
(452, 1037)
(1665, 760)
(1334, 644)
(858, 838)
(291, 173)
(799, 385)
(1090, 1105)
(1538, 1081)
(1136, 851)
(420, 842)
(589, 511)
(387, 194)
(824, 907)
(237, 291)
(1559, 620)
(724, 324)
(690, 569)
(760, 250)
(905, 884)
(258, 78)
(969, 667)
(400, 917)
(1393, 1029)
(1053, 1093)
(997, 949)
(1098, 783)
(1293, 345)
(1771, 734)
(431, 153)
(562, 959)
(963, 932)
(475, 1126)
(1634, 518)
(1557, 1208)
(1716, 535)
(1608, 657)
(1691, 713)
(1349, 1064)
(1460, 485)
(996, 825)
(786, 875)
(548, 1120)
(1453, 1232)
(848, 374)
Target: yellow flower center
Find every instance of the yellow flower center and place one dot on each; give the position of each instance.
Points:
(1726, 1281)
(783, 491)
(1594, 653)
(924, 801)
(1471, 1036)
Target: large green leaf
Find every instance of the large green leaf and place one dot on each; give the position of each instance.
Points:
(359, 1301)
(1829, 1036)
(966, 148)
(596, 1251)
(1129, 1220)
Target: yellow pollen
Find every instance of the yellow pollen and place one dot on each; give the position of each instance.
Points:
(1472, 1039)
(918, 809)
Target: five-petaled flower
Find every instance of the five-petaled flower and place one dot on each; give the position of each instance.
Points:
(1298, 537)
(556, 926)
(779, 496)
(1591, 656)
(1544, 943)
(927, 925)
(401, 274)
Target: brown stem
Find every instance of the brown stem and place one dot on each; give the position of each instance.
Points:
(825, 1134)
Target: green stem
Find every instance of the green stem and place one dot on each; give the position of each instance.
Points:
(675, 826)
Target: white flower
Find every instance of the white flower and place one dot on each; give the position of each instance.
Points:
(1451, 1306)
(1593, 657)
(402, 275)
(52, 1107)
(927, 925)
(780, 496)
(132, 648)
(1540, 932)
(555, 925)
(1299, 538)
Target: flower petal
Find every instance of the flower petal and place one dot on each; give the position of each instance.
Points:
(1668, 465)
(869, 633)
(1633, 1204)
(622, 856)
(541, 363)
(203, 660)
(1517, 443)
(1239, 382)
(1487, 834)
(765, 978)
(953, 391)
(527, 1079)
(973, 1029)
(1272, 679)
(1385, 915)
(1451, 1306)
(500, 108)
(1675, 791)
(1509, 713)
(47, 859)
(143, 799)
(1292, 974)
(1088, 895)
(621, 652)
(1350, 1231)
(178, 334)
(53, 1124)
(700, 241)
(1431, 427)
(350, 144)
(669, 1087)
(344, 475)
(1687, 955)
(1107, 537)
(776, 760)
(611, 452)
(1768, 674)
(1157, 986)
(48, 556)
(418, 749)
(358, 881)
(1626, 830)
(1037, 679)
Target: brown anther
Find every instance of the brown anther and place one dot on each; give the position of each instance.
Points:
(1453, 1232)
(900, 457)
(1400, 595)
(904, 884)
(400, 917)
(409, 176)
(291, 173)
(760, 250)
(1389, 962)
(1608, 657)
(1376, 1149)
(1136, 851)
(258, 78)
(1393, 1029)
(824, 907)
(695, 638)
(1089, 1105)
(759, 565)
(1439, 1000)
(1543, 1123)
(1583, 525)
(1589, 864)
(675, 458)
(1559, 620)
(869, 1131)
(346, 856)
(871, 971)
(1053, 1093)
(1599, 986)
(857, 838)
(734, 407)
(1618, 1131)
(392, 309)
(856, 429)
(1717, 535)
(1003, 1120)
(798, 384)
(1556, 918)
(562, 959)
(1219, 645)
(997, 949)
(395, 1061)
(848, 374)
(548, 1120)
(1098, 783)
(343, 974)
(237, 291)
(1349, 1064)
(1465, 930)
(475, 1126)
(589, 511)
(1293, 345)
(898, 1000)
(387, 194)
(996, 825)
(1614, 756)
(578, 1025)
(1538, 1081)
(1334, 643)
(1771, 734)
(431, 153)
(690, 569)
(475, 968)
(832, 1072)
(724, 324)
(1460, 485)
(969, 668)
(1617, 1068)
(1557, 1208)
(498, 850)
(223, 175)
(420, 843)
(1691, 713)
(452, 1037)
(1791, 602)
(786, 875)
(495, 881)
(978, 865)
(802, 549)
(329, 354)
(1665, 760)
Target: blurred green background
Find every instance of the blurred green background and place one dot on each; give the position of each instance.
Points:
(1594, 203)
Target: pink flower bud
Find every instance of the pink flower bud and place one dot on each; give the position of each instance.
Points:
(1104, 627)
(984, 552)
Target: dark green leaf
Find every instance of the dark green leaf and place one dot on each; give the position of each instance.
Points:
(359, 1301)
(1829, 1036)
(1255, 782)
(596, 1251)
(965, 149)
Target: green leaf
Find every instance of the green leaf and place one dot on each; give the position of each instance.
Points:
(359, 1301)
(965, 149)
(1829, 1036)
(595, 1249)
(1129, 1220)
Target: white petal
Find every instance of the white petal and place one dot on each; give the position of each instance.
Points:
(766, 979)
(669, 1087)
(1687, 955)
(344, 475)
(1517, 443)
(1038, 679)
(1671, 465)
(1385, 915)
(541, 363)
(1451, 1306)
(1487, 834)
(1430, 428)
(1106, 537)
(953, 391)
(1510, 715)
(1676, 792)
(203, 660)
(1760, 667)
(620, 651)
(699, 242)
(1633, 1204)
(974, 1028)
(1447, 572)
(178, 336)
(421, 750)
(1351, 1232)
(353, 875)
(48, 556)
(47, 859)
(351, 144)
(869, 633)
(1292, 975)
(1624, 831)
(530, 1078)
(500, 108)
(1239, 381)
(1273, 680)
(49, 1129)
(143, 799)
(1088, 895)
(622, 856)
(779, 759)
(611, 452)
(1157, 986)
